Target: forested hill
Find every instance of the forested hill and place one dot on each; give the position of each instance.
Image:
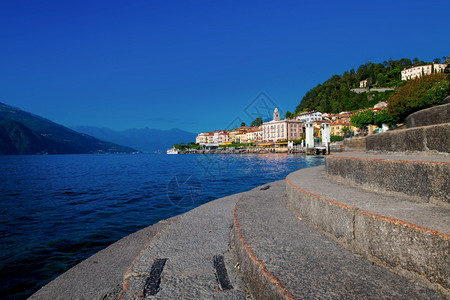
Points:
(22, 132)
(335, 95)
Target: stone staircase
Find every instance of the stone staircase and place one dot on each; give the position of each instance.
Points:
(372, 224)
(367, 225)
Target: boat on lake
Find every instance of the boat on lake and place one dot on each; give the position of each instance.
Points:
(172, 151)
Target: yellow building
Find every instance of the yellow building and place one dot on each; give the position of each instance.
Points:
(232, 135)
(336, 128)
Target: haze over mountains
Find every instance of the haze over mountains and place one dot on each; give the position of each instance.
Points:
(22, 132)
(145, 139)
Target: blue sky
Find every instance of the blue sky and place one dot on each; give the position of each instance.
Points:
(196, 65)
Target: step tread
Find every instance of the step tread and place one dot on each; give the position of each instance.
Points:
(307, 264)
(427, 215)
(441, 158)
(190, 246)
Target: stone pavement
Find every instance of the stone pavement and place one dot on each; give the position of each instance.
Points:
(191, 248)
(101, 275)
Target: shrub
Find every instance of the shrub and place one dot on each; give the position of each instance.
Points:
(336, 138)
(418, 94)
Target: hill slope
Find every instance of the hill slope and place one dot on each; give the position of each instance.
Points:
(145, 139)
(336, 95)
(26, 133)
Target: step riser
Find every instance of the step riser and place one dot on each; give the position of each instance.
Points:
(425, 181)
(397, 243)
(330, 217)
(261, 284)
(405, 246)
(427, 138)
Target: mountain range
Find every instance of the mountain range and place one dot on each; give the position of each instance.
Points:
(22, 132)
(144, 139)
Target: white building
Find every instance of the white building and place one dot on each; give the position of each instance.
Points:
(224, 137)
(418, 71)
(310, 116)
(363, 83)
(202, 138)
(279, 130)
(255, 135)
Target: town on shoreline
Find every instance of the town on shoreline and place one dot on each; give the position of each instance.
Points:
(289, 135)
(308, 129)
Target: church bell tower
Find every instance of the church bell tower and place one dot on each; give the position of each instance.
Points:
(276, 115)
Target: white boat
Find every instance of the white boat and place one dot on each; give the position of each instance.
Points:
(172, 151)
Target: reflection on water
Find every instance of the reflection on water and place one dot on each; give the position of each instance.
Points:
(57, 210)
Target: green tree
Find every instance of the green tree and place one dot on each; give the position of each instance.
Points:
(289, 115)
(257, 122)
(382, 117)
(346, 131)
(363, 118)
(243, 124)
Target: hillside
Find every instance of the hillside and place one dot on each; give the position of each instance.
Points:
(335, 95)
(22, 132)
(145, 139)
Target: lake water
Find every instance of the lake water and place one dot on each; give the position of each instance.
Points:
(57, 210)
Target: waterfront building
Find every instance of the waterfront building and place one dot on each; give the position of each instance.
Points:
(310, 116)
(223, 138)
(232, 135)
(202, 138)
(255, 135)
(281, 130)
(242, 137)
(336, 127)
(211, 138)
(416, 72)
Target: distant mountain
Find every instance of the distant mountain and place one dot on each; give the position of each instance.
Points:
(145, 139)
(24, 133)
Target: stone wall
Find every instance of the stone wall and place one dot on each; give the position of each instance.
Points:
(355, 144)
(434, 115)
(426, 138)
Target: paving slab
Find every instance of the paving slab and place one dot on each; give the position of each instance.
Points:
(198, 261)
(282, 257)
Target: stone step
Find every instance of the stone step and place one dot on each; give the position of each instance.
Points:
(434, 138)
(282, 257)
(406, 235)
(430, 116)
(423, 176)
